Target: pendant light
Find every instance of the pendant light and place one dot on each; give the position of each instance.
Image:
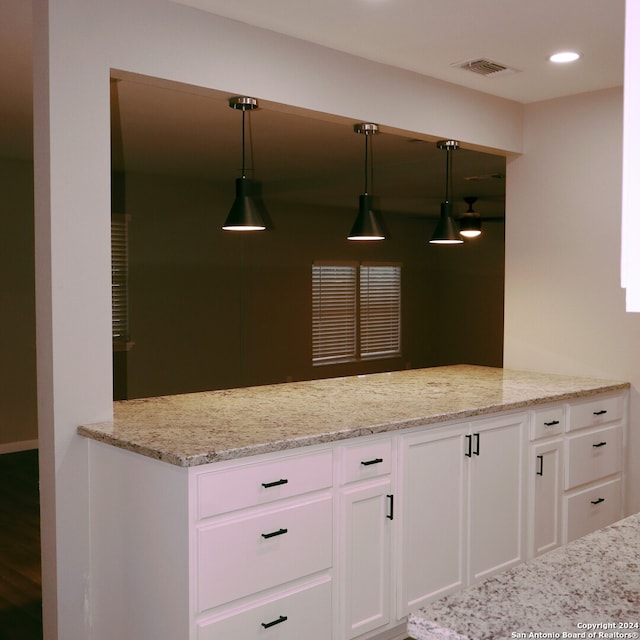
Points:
(367, 226)
(244, 214)
(470, 223)
(446, 231)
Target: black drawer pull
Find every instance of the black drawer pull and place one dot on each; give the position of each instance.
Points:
(540, 472)
(553, 423)
(600, 444)
(476, 451)
(390, 496)
(266, 485)
(468, 453)
(266, 625)
(273, 534)
(366, 463)
(598, 501)
(600, 413)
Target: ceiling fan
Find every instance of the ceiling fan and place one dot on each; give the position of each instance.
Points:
(470, 201)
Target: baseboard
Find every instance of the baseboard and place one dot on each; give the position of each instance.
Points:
(13, 447)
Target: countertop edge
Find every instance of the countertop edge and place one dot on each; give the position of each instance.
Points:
(99, 431)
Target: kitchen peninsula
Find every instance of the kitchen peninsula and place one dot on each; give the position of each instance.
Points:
(333, 508)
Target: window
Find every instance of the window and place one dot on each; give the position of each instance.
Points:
(120, 281)
(356, 312)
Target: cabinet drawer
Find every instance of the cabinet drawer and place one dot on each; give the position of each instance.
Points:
(305, 613)
(364, 461)
(593, 508)
(260, 483)
(547, 422)
(248, 554)
(599, 410)
(594, 455)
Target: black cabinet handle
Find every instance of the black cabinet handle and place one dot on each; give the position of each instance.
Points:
(540, 470)
(598, 501)
(266, 485)
(273, 534)
(553, 423)
(476, 451)
(468, 453)
(390, 496)
(600, 444)
(366, 463)
(266, 625)
(600, 413)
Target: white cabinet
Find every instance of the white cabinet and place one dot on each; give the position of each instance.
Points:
(575, 469)
(462, 504)
(548, 424)
(496, 456)
(290, 615)
(262, 546)
(593, 455)
(272, 546)
(593, 464)
(433, 503)
(592, 508)
(366, 517)
(545, 467)
(340, 541)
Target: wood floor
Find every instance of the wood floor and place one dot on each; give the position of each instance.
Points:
(20, 585)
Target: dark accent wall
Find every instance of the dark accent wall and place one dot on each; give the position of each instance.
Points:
(18, 410)
(213, 309)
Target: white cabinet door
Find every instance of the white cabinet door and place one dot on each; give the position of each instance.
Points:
(433, 506)
(496, 456)
(545, 495)
(367, 512)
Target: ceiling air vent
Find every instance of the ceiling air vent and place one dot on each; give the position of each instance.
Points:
(485, 67)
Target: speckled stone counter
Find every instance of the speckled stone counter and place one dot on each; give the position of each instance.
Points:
(594, 580)
(199, 428)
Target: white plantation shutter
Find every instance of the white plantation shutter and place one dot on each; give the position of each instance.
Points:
(119, 279)
(334, 313)
(379, 311)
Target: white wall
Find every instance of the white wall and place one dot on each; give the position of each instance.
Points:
(77, 43)
(564, 308)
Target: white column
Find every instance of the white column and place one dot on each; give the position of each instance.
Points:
(73, 307)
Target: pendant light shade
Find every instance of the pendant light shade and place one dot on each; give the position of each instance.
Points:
(446, 231)
(368, 224)
(245, 213)
(470, 223)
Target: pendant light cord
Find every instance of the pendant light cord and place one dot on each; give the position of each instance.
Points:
(366, 164)
(367, 153)
(446, 183)
(243, 144)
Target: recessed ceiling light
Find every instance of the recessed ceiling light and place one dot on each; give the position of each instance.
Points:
(564, 56)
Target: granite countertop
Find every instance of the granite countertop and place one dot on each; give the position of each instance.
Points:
(199, 428)
(594, 580)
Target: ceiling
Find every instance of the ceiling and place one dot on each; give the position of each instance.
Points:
(429, 36)
(171, 128)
